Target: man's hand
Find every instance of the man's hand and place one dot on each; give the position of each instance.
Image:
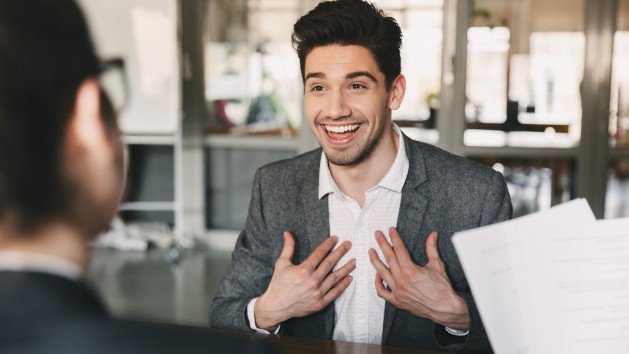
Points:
(423, 291)
(299, 290)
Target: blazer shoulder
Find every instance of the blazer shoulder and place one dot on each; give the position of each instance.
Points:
(292, 168)
(453, 173)
(440, 162)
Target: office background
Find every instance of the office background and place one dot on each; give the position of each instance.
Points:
(537, 89)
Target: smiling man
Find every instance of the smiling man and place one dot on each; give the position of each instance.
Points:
(385, 276)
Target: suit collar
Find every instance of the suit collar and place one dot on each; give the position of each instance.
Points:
(413, 206)
(317, 226)
(417, 174)
(316, 209)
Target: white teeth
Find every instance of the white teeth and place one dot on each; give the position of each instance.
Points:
(341, 128)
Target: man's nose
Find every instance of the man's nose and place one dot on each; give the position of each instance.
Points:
(337, 106)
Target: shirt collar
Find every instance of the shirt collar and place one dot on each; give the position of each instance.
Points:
(326, 182)
(22, 261)
(393, 180)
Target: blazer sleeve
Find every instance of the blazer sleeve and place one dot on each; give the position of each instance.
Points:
(250, 270)
(496, 208)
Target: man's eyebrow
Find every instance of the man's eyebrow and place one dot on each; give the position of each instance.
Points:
(356, 74)
(315, 76)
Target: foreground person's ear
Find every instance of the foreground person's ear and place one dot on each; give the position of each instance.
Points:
(86, 131)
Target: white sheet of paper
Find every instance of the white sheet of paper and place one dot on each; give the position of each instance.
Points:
(487, 257)
(580, 288)
(568, 217)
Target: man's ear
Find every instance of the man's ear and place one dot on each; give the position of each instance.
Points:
(86, 131)
(398, 88)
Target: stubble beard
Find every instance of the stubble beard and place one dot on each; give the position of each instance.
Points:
(355, 155)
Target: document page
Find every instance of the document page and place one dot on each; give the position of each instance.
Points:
(570, 217)
(579, 288)
(489, 256)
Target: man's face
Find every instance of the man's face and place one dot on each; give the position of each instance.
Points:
(346, 102)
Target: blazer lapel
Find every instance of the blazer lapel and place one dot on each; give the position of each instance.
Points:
(413, 207)
(318, 229)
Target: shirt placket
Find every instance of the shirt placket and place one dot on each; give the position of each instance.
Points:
(361, 309)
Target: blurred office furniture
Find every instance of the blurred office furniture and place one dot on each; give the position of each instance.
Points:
(150, 286)
(145, 35)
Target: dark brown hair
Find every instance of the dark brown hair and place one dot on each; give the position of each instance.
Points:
(351, 22)
(45, 54)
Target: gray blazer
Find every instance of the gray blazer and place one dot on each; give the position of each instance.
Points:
(442, 192)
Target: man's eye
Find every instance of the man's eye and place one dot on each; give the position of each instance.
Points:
(357, 86)
(317, 88)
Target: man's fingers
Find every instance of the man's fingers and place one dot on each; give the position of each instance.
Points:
(340, 274)
(399, 247)
(289, 247)
(320, 252)
(325, 267)
(382, 269)
(383, 292)
(337, 290)
(387, 251)
(432, 251)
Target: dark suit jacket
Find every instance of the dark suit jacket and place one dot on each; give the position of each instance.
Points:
(442, 192)
(44, 313)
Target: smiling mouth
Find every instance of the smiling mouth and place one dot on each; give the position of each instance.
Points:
(340, 129)
(339, 135)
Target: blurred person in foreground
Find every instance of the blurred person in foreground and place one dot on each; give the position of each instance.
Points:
(384, 277)
(61, 176)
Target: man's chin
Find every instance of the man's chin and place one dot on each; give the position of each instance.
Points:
(344, 158)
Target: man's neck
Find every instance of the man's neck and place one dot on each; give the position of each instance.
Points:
(356, 180)
(55, 239)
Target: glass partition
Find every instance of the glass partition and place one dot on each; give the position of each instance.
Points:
(524, 70)
(535, 184)
(252, 78)
(421, 22)
(619, 95)
(617, 195)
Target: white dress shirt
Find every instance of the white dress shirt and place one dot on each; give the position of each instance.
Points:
(359, 311)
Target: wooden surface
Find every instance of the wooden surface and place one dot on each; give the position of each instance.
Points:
(294, 345)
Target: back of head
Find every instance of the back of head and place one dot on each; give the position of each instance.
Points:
(45, 54)
(351, 22)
